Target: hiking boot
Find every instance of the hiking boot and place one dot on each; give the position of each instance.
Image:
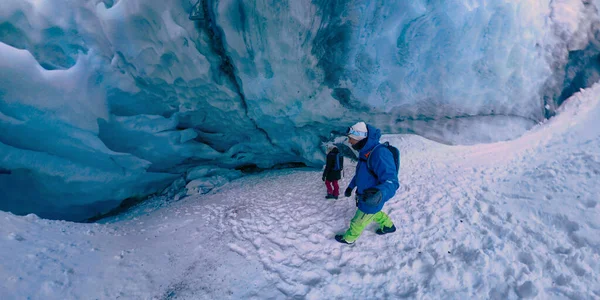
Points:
(329, 196)
(340, 238)
(386, 230)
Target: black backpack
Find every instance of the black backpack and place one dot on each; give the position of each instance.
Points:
(339, 163)
(395, 154)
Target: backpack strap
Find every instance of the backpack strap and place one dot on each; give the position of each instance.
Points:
(368, 155)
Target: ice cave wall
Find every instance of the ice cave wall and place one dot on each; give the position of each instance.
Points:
(101, 101)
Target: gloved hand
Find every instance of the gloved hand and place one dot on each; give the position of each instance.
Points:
(372, 196)
(323, 178)
(370, 192)
(348, 192)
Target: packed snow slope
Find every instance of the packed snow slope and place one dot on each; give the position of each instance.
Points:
(102, 101)
(508, 220)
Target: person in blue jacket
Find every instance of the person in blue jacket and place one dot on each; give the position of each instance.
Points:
(374, 186)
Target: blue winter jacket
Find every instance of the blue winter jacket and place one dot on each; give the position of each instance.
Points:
(382, 165)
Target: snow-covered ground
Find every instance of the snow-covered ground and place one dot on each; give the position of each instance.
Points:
(510, 220)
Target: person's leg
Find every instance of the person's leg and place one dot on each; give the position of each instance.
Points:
(357, 225)
(336, 188)
(383, 220)
(329, 186)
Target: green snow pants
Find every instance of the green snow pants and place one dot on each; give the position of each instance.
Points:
(361, 220)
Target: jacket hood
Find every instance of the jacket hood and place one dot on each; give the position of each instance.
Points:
(372, 139)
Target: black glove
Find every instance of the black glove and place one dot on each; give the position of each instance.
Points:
(370, 192)
(372, 196)
(348, 192)
(323, 178)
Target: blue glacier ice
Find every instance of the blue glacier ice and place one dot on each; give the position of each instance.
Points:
(102, 101)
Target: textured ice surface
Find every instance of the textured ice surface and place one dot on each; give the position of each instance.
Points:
(106, 100)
